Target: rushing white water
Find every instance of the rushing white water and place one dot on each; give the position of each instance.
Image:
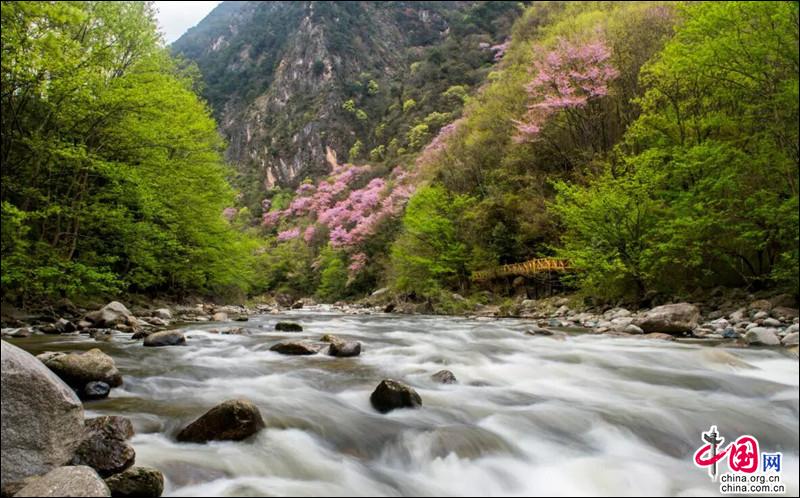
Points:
(588, 415)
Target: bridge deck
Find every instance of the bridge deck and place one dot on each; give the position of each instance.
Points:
(526, 268)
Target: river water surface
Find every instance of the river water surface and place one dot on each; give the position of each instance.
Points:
(588, 415)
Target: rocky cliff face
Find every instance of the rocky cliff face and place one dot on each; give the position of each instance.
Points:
(289, 81)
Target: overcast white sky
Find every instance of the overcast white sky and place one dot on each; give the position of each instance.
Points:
(176, 17)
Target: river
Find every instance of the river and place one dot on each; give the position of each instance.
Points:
(588, 415)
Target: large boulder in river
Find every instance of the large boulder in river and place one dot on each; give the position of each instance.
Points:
(42, 419)
(232, 420)
(143, 482)
(165, 338)
(66, 481)
(295, 348)
(670, 319)
(78, 369)
(105, 447)
(113, 313)
(391, 394)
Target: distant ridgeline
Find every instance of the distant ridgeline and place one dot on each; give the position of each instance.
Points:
(373, 81)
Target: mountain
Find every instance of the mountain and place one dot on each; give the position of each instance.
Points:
(369, 81)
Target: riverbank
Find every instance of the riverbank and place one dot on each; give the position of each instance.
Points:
(735, 318)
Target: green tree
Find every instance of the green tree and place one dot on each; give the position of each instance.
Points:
(429, 253)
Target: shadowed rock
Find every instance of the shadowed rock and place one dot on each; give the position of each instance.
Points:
(391, 394)
(144, 482)
(106, 447)
(232, 420)
(288, 327)
(295, 348)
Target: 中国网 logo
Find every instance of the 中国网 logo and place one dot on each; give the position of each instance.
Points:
(750, 472)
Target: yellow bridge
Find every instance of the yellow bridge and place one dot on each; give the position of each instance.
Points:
(527, 268)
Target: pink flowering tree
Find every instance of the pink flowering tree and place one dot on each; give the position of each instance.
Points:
(567, 77)
(345, 209)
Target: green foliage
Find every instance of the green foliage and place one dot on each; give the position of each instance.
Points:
(705, 191)
(333, 276)
(372, 87)
(418, 136)
(355, 151)
(349, 106)
(409, 104)
(429, 252)
(112, 172)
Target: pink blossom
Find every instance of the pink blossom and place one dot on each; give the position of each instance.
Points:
(566, 77)
(357, 262)
(271, 218)
(230, 213)
(289, 234)
(308, 234)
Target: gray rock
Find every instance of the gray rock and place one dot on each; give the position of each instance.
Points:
(791, 339)
(78, 369)
(762, 336)
(792, 329)
(83, 324)
(541, 331)
(241, 318)
(771, 322)
(659, 335)
(297, 305)
(105, 447)
(761, 304)
(163, 313)
(784, 312)
(444, 377)
(738, 315)
(344, 349)
(232, 420)
(143, 482)
(730, 333)
(220, 316)
(633, 329)
(391, 394)
(17, 332)
(165, 338)
(158, 322)
(382, 290)
(288, 327)
(295, 348)
(670, 319)
(760, 315)
(42, 418)
(64, 326)
(95, 390)
(66, 481)
(114, 313)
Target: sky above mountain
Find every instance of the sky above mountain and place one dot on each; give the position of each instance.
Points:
(176, 17)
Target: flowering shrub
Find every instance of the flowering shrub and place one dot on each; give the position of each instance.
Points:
(349, 214)
(567, 77)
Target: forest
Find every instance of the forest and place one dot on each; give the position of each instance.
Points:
(656, 159)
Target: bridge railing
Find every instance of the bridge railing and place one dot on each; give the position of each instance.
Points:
(526, 268)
